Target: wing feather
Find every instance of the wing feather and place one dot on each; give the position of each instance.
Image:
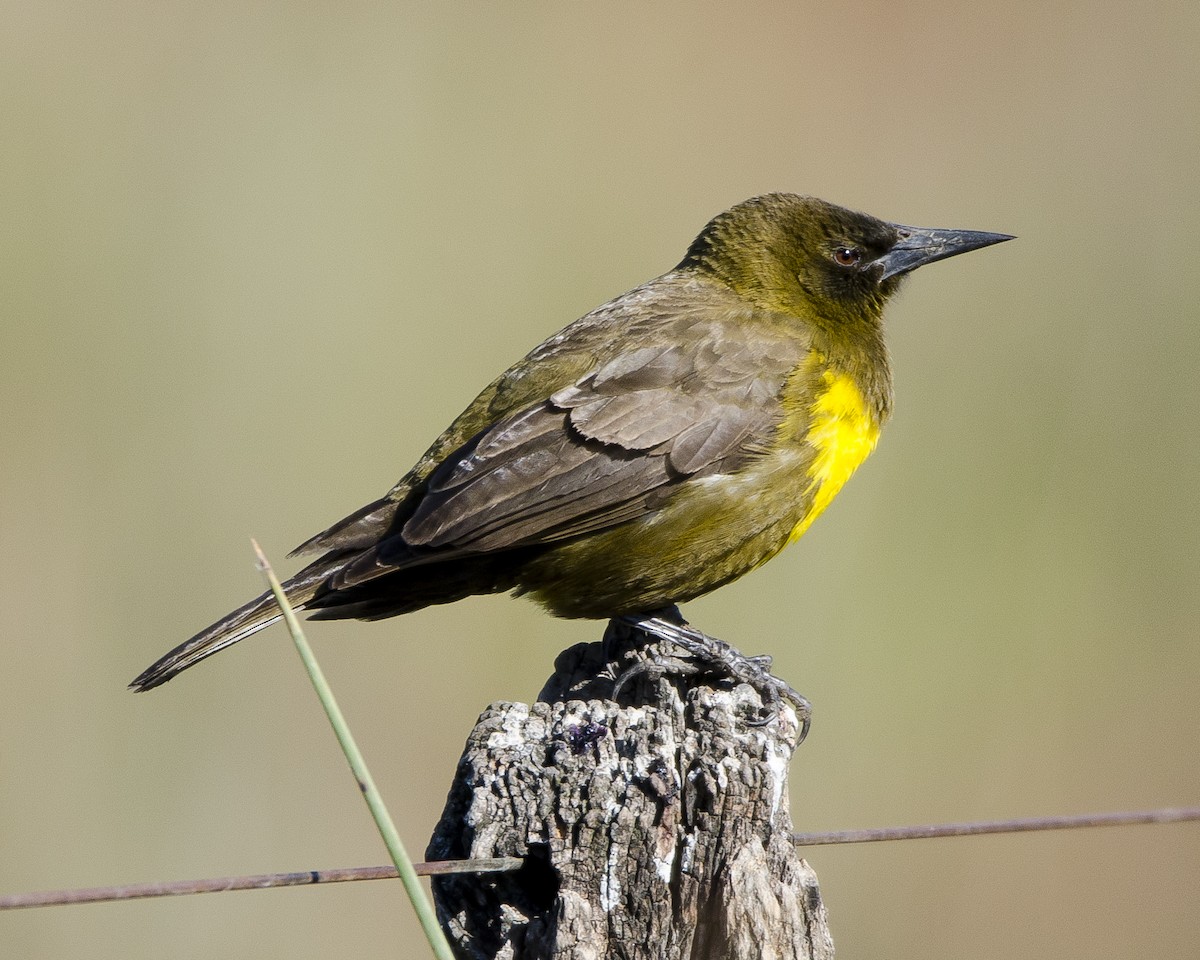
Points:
(605, 450)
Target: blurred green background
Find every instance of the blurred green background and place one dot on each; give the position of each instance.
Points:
(255, 257)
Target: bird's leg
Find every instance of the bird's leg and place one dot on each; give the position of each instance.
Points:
(668, 625)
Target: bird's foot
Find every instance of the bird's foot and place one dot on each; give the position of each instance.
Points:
(706, 655)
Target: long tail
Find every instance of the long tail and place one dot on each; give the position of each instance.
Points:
(243, 622)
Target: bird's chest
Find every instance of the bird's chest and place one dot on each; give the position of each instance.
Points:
(832, 420)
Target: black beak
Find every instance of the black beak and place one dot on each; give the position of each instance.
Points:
(918, 246)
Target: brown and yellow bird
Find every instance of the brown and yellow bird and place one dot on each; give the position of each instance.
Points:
(657, 448)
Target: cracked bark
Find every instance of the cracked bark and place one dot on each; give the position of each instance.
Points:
(655, 828)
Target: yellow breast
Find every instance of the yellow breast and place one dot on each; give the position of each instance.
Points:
(843, 430)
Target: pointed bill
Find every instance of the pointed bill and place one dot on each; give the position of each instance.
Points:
(918, 246)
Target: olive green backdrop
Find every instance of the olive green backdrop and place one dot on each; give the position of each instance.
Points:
(256, 255)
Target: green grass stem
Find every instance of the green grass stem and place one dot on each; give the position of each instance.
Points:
(387, 829)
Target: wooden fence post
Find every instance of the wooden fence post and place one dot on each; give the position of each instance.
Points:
(654, 829)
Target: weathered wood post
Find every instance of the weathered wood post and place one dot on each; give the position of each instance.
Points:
(653, 828)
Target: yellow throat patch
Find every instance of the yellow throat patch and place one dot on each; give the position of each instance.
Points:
(843, 431)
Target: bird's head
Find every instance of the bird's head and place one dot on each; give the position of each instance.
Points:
(805, 256)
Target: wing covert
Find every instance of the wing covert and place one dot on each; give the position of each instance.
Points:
(604, 450)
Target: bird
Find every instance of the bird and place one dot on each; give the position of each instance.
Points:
(657, 448)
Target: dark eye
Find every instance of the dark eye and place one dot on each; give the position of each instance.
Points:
(847, 256)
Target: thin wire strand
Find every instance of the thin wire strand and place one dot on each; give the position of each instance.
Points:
(927, 831)
(262, 881)
(52, 898)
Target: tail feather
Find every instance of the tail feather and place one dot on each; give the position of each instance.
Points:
(325, 591)
(243, 622)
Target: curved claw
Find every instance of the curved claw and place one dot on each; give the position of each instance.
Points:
(804, 712)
